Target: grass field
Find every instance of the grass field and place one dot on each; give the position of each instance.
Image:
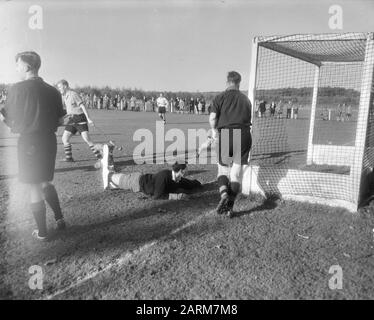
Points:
(121, 245)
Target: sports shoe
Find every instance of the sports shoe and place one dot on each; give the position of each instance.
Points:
(60, 224)
(164, 121)
(105, 166)
(230, 208)
(36, 235)
(222, 204)
(67, 160)
(97, 164)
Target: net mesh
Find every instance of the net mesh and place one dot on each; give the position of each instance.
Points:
(307, 102)
(367, 185)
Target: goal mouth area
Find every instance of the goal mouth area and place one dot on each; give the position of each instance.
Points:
(319, 49)
(313, 117)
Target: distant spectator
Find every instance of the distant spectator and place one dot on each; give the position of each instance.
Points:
(177, 104)
(192, 105)
(339, 112)
(349, 112)
(296, 113)
(200, 107)
(106, 102)
(196, 111)
(101, 103)
(132, 103)
(289, 110)
(153, 103)
(172, 105)
(148, 105)
(279, 110)
(344, 112)
(273, 106)
(181, 105)
(114, 102)
(262, 108)
(94, 101)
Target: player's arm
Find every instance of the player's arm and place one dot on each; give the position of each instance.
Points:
(86, 113)
(9, 110)
(214, 116)
(61, 112)
(3, 116)
(213, 124)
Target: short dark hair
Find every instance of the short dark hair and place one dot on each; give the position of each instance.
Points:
(179, 166)
(63, 82)
(31, 58)
(234, 77)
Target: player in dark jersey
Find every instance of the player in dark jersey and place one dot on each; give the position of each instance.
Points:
(34, 110)
(165, 183)
(230, 120)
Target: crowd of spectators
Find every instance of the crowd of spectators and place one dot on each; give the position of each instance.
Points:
(147, 103)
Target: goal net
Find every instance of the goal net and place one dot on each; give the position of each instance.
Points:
(313, 118)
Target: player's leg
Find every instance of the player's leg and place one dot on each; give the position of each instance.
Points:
(48, 150)
(51, 197)
(224, 187)
(30, 172)
(223, 175)
(241, 156)
(112, 180)
(38, 209)
(82, 128)
(68, 132)
(86, 137)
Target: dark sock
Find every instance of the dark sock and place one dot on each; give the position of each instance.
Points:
(235, 189)
(68, 151)
(96, 152)
(223, 183)
(39, 212)
(51, 197)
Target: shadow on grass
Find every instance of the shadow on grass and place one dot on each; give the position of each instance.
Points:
(83, 168)
(161, 208)
(270, 202)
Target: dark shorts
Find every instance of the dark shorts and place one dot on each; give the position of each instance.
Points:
(79, 124)
(36, 157)
(231, 152)
(161, 109)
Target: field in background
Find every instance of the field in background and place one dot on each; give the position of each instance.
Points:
(121, 245)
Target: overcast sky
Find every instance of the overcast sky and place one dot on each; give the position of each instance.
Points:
(159, 45)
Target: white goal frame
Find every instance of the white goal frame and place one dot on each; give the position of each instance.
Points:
(318, 154)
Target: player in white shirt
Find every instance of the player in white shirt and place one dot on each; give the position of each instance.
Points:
(162, 104)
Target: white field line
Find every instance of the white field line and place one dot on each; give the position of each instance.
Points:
(128, 256)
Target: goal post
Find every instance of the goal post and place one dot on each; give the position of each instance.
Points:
(318, 144)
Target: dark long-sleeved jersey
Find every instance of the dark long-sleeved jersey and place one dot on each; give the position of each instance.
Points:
(162, 183)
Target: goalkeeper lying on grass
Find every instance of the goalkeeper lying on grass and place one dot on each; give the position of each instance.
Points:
(165, 183)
